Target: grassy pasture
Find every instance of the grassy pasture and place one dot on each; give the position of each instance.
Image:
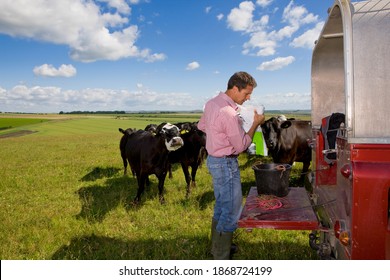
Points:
(9, 123)
(63, 196)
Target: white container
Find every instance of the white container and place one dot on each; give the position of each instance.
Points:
(247, 113)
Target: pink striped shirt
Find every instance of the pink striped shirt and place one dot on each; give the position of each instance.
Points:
(223, 127)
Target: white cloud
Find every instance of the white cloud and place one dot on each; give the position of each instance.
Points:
(276, 63)
(220, 16)
(298, 15)
(22, 98)
(90, 33)
(54, 99)
(153, 57)
(284, 101)
(208, 9)
(192, 66)
(263, 3)
(241, 18)
(307, 39)
(120, 5)
(48, 70)
(262, 40)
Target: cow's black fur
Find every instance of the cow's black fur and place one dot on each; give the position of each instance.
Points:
(122, 147)
(288, 141)
(148, 154)
(191, 154)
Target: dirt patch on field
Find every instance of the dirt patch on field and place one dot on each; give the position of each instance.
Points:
(17, 133)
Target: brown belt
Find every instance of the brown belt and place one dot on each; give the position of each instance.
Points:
(231, 156)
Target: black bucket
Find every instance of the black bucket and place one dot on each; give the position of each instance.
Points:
(272, 178)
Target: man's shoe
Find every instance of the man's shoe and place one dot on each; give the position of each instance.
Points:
(215, 235)
(233, 249)
(222, 245)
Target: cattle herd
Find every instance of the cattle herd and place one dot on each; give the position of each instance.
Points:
(154, 149)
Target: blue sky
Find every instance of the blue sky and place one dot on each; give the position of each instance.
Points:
(131, 55)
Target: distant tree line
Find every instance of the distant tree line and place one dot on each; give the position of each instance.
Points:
(127, 112)
(94, 112)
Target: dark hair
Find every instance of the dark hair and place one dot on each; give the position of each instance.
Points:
(241, 80)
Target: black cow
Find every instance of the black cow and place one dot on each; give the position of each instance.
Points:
(122, 147)
(148, 154)
(191, 154)
(288, 141)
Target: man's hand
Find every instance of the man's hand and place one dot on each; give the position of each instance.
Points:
(258, 119)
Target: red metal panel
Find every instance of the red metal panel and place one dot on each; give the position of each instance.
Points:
(370, 207)
(371, 152)
(296, 212)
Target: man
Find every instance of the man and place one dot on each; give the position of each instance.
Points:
(226, 139)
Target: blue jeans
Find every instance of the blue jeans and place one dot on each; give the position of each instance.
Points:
(227, 191)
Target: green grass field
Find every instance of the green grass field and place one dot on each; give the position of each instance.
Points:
(64, 196)
(9, 123)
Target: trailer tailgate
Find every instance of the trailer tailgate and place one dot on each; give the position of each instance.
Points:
(295, 213)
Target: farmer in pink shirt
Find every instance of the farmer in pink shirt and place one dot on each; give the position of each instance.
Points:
(226, 139)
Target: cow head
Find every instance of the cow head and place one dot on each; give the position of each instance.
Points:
(272, 129)
(171, 135)
(127, 131)
(187, 127)
(151, 128)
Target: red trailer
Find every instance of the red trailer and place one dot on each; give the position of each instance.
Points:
(348, 208)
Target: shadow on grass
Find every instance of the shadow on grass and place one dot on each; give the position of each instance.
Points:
(205, 199)
(95, 247)
(271, 249)
(100, 173)
(246, 187)
(99, 199)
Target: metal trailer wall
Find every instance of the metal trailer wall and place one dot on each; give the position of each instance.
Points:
(371, 71)
(351, 69)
